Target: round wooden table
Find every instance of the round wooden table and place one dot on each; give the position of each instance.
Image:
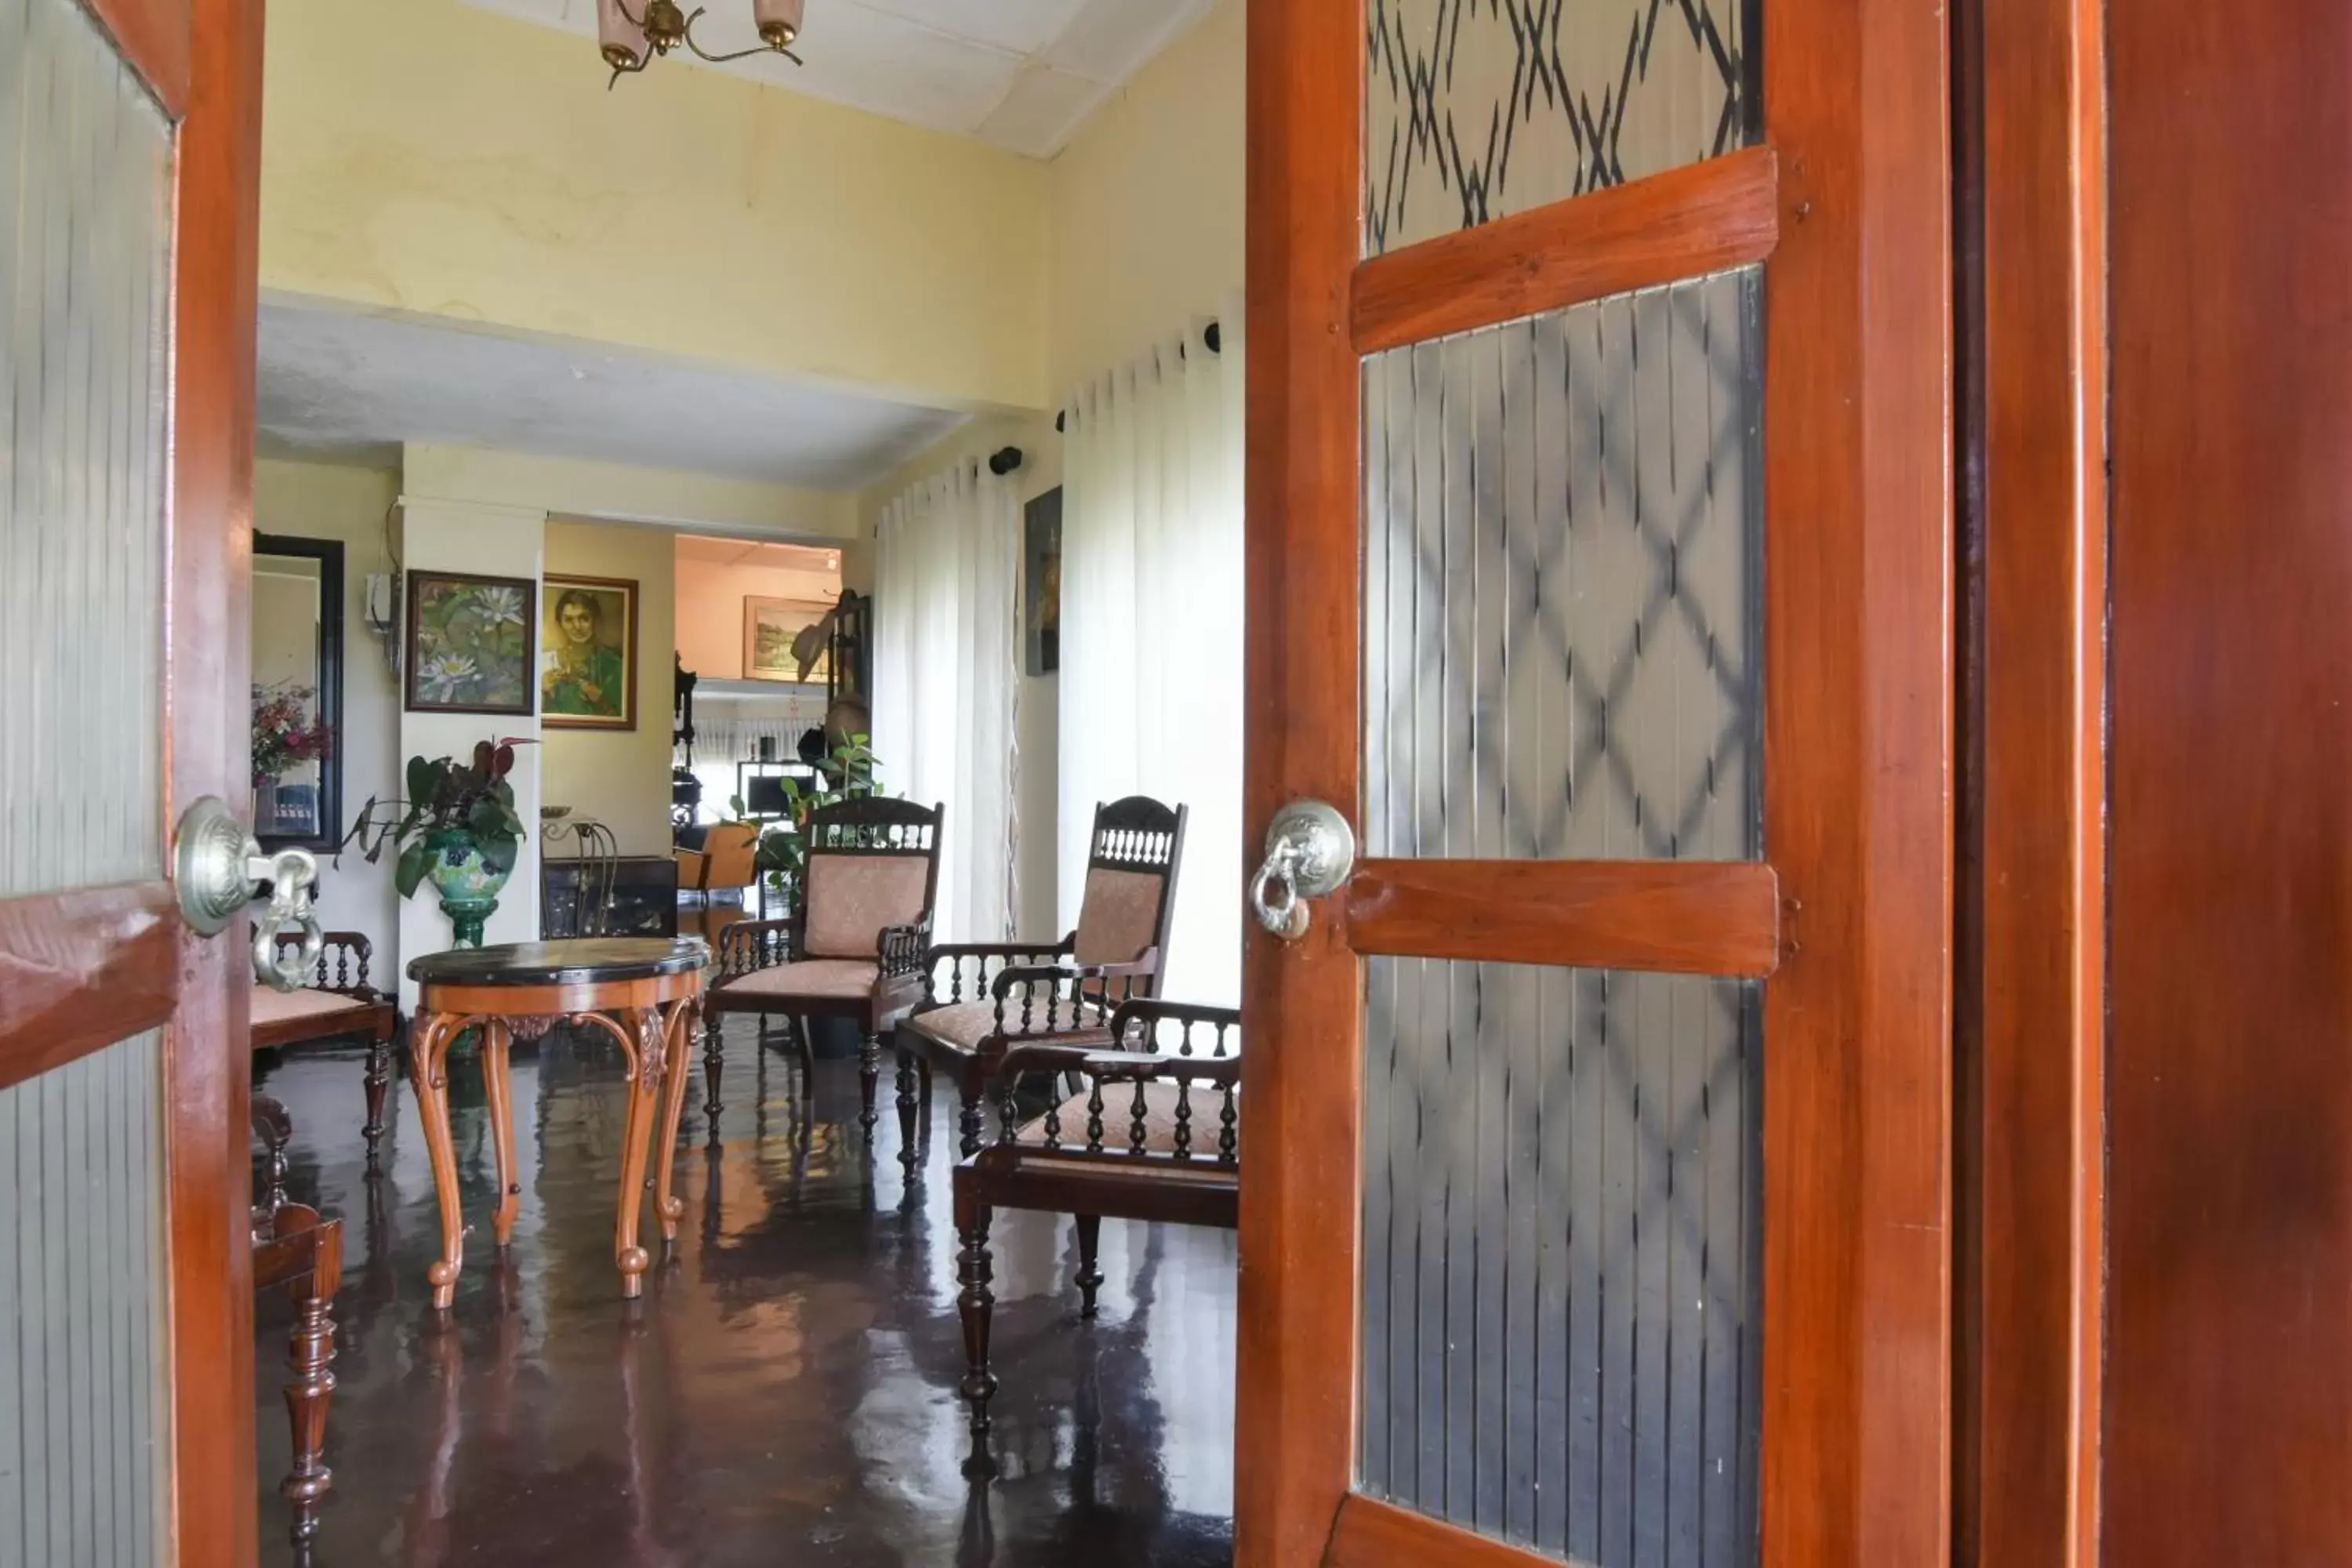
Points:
(645, 992)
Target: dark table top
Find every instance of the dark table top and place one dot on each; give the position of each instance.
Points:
(584, 961)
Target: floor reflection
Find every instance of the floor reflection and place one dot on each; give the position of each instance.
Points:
(785, 1391)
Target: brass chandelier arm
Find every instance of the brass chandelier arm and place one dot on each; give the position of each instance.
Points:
(737, 55)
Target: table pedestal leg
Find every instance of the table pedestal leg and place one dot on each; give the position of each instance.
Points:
(649, 1055)
(428, 1055)
(498, 1042)
(684, 1018)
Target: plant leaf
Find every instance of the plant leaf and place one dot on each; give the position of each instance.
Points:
(410, 872)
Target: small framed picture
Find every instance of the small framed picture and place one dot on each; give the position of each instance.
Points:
(773, 640)
(588, 653)
(470, 643)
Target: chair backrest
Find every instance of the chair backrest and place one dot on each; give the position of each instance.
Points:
(1130, 893)
(731, 853)
(873, 863)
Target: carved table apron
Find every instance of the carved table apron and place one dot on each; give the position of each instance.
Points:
(645, 993)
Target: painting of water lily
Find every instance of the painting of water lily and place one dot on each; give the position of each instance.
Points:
(470, 643)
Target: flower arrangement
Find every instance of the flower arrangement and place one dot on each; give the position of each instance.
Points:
(452, 808)
(287, 733)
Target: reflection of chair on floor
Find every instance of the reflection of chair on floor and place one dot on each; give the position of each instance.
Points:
(293, 1248)
(854, 947)
(1057, 995)
(343, 1009)
(1156, 1136)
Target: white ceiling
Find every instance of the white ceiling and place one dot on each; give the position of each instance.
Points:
(334, 384)
(1023, 75)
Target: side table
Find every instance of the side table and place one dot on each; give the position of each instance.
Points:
(645, 993)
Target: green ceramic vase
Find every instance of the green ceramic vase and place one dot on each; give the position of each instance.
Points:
(468, 888)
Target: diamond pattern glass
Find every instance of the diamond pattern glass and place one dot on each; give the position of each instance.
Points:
(1474, 110)
(1561, 1298)
(1562, 584)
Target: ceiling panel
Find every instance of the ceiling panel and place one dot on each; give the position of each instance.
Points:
(334, 384)
(991, 69)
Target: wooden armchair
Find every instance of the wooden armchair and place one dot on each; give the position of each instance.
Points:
(1155, 1136)
(340, 1005)
(297, 1250)
(727, 861)
(854, 947)
(1057, 995)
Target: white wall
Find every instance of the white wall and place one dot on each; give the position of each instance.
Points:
(319, 500)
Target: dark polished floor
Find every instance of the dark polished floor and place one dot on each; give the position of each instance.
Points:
(785, 1391)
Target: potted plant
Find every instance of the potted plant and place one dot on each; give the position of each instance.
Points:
(456, 828)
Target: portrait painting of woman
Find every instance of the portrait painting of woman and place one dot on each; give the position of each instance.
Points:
(588, 662)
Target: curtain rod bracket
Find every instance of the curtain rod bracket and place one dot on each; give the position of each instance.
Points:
(1005, 461)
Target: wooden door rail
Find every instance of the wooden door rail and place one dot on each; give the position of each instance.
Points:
(81, 970)
(1675, 917)
(1371, 1534)
(1685, 223)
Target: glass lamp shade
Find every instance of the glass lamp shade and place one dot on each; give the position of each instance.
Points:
(779, 20)
(623, 40)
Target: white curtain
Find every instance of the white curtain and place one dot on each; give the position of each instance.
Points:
(946, 683)
(1151, 629)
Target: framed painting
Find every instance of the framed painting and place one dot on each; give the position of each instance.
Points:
(1041, 597)
(470, 643)
(588, 653)
(773, 631)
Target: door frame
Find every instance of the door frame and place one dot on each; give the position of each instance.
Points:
(1859, 572)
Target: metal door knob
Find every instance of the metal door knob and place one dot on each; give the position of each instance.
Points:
(1309, 851)
(219, 867)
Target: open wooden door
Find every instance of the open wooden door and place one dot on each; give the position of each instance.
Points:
(1600, 577)
(129, 151)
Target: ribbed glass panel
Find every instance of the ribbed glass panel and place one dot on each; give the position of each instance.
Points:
(84, 211)
(80, 1330)
(1563, 584)
(1474, 110)
(1561, 1298)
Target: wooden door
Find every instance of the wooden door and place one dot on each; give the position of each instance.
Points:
(1599, 573)
(128, 182)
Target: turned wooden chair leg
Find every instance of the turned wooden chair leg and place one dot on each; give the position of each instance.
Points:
(379, 1081)
(311, 1352)
(869, 1082)
(714, 1062)
(1089, 1249)
(806, 1036)
(977, 1307)
(909, 1106)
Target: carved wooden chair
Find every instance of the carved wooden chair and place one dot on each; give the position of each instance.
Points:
(1155, 1136)
(296, 1250)
(340, 1005)
(1059, 995)
(854, 947)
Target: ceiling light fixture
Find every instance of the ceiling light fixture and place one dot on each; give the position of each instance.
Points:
(631, 42)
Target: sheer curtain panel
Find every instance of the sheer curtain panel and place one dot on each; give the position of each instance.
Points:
(1151, 629)
(946, 683)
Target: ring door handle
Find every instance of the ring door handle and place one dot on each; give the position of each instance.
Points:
(218, 868)
(1309, 851)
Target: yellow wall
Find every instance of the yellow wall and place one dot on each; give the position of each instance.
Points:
(432, 157)
(321, 501)
(620, 778)
(1147, 205)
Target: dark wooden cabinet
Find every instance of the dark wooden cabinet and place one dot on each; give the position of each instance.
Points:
(643, 898)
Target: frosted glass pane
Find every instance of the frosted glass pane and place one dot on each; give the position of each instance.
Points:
(1563, 584)
(84, 227)
(84, 208)
(1474, 110)
(1561, 1302)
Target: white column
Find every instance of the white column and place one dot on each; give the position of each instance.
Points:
(492, 541)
